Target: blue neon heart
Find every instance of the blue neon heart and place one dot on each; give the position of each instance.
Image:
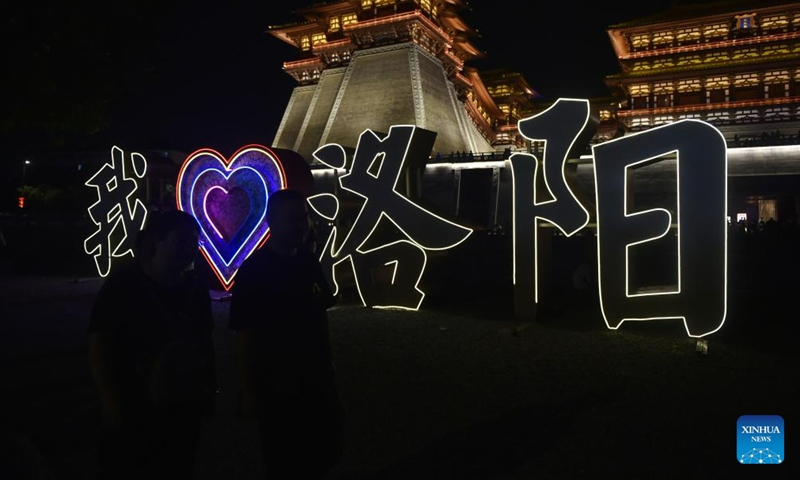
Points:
(252, 212)
(231, 229)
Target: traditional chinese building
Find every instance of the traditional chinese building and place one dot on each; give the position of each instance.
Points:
(734, 64)
(514, 97)
(371, 64)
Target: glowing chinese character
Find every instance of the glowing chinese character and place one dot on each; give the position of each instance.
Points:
(699, 296)
(548, 195)
(117, 210)
(390, 230)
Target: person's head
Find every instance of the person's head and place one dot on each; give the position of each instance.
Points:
(287, 217)
(169, 241)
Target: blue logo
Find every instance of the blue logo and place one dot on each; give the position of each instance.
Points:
(759, 439)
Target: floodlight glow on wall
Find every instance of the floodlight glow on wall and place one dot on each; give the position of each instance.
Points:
(228, 197)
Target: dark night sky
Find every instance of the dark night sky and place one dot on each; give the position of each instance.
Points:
(218, 81)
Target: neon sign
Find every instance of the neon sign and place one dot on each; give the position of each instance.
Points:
(544, 189)
(563, 127)
(378, 163)
(391, 232)
(699, 299)
(117, 210)
(228, 197)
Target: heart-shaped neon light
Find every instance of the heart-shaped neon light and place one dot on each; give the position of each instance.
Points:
(227, 211)
(229, 200)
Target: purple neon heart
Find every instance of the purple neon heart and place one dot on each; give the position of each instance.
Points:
(252, 184)
(227, 210)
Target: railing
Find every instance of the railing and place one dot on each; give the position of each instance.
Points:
(466, 157)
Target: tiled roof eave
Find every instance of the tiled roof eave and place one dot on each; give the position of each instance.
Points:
(289, 26)
(687, 12)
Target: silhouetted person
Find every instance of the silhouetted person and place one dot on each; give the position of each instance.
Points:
(152, 355)
(278, 311)
(770, 227)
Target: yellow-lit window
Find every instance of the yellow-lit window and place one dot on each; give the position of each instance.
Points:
(318, 39)
(661, 88)
(796, 20)
(777, 49)
(502, 90)
(334, 24)
(506, 109)
(745, 53)
(426, 5)
(775, 22)
(689, 60)
(662, 119)
(640, 89)
(645, 65)
(714, 83)
(640, 41)
(689, 86)
(381, 3)
(777, 76)
(661, 39)
(688, 35)
(605, 115)
(305, 43)
(349, 19)
(716, 57)
(366, 3)
(715, 31)
(663, 62)
(745, 80)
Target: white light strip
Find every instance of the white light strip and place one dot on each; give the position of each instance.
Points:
(348, 248)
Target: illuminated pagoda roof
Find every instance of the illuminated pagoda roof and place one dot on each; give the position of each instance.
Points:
(520, 90)
(331, 31)
(428, 44)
